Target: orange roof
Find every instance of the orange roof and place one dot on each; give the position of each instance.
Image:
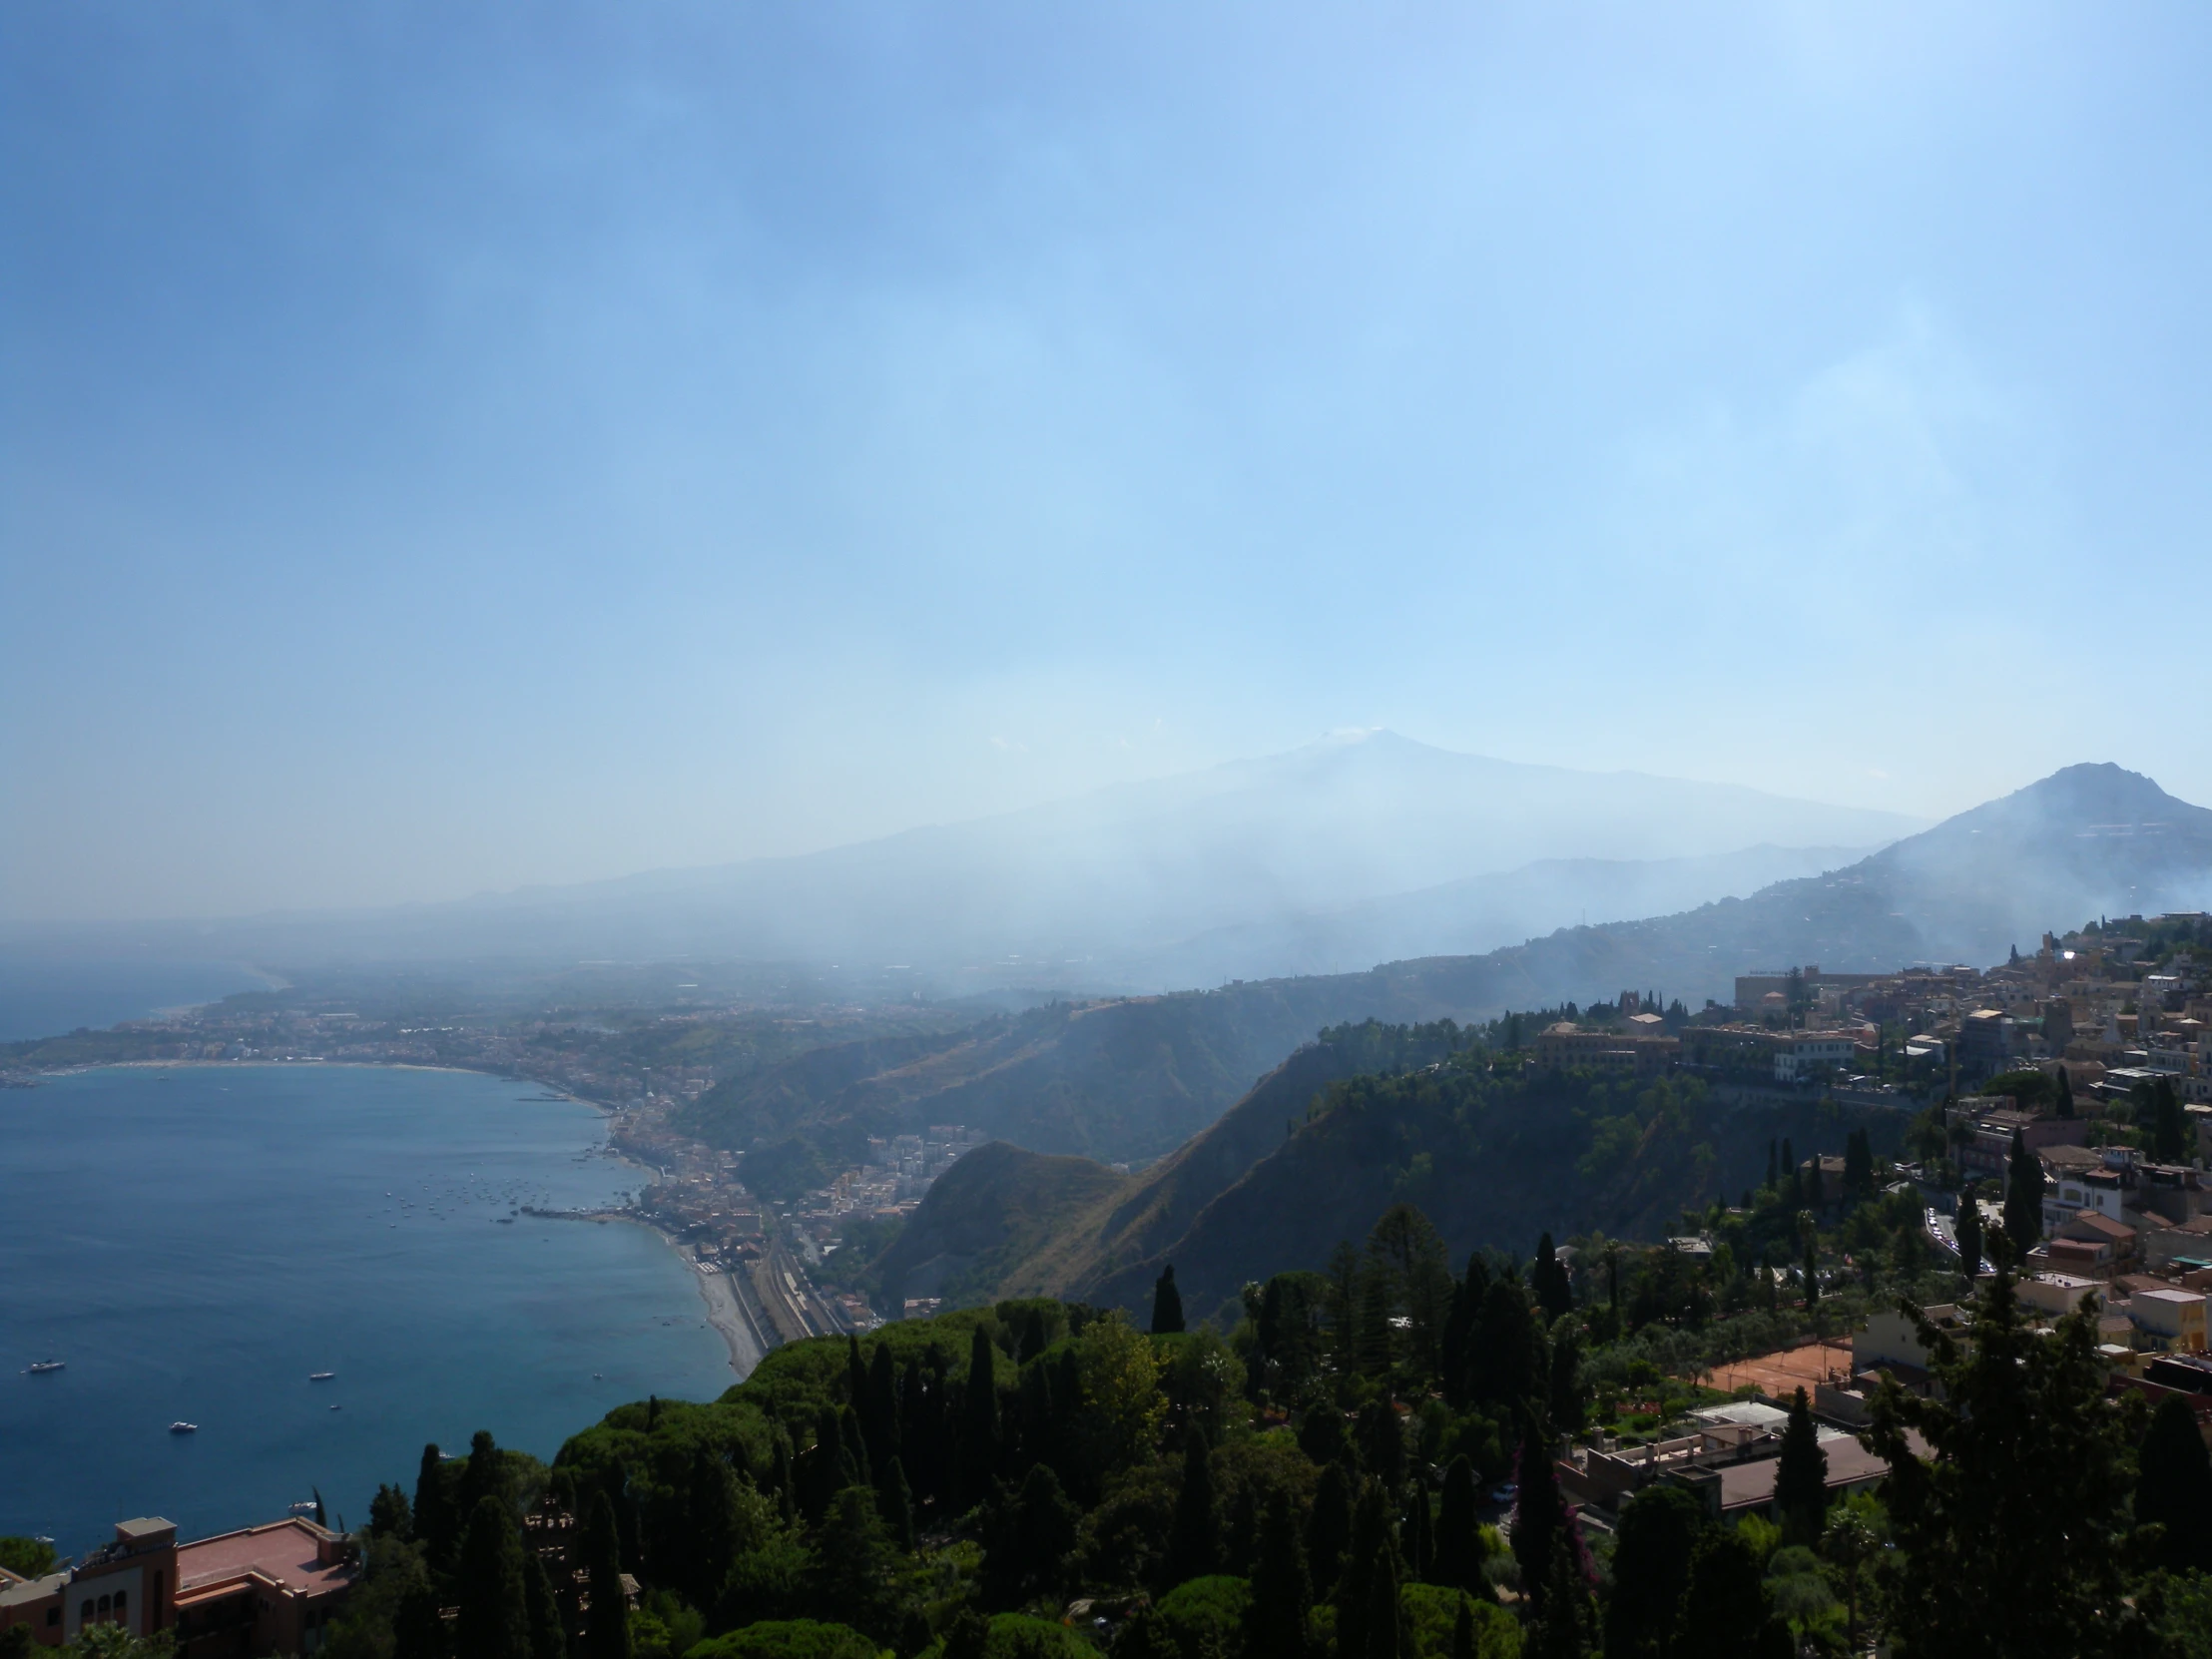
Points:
(288, 1553)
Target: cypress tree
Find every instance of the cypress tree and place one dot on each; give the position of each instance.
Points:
(485, 1476)
(2175, 1486)
(853, 1565)
(1382, 1443)
(1463, 1631)
(548, 1640)
(1857, 1164)
(980, 1421)
(1791, 1194)
(433, 1515)
(1566, 1618)
(494, 1617)
(1383, 1619)
(1651, 1562)
(1032, 1337)
(1508, 1350)
(606, 1622)
(1812, 1271)
(1566, 1393)
(2169, 1125)
(710, 1540)
(1774, 1167)
(854, 1468)
(1539, 1509)
(1548, 1279)
(879, 1414)
(918, 1430)
(1282, 1592)
(1815, 1198)
(856, 1373)
(390, 1516)
(1421, 1537)
(782, 1477)
(2023, 1200)
(1459, 1560)
(417, 1630)
(1800, 1477)
(2065, 1095)
(896, 1500)
(1968, 1231)
(1328, 1526)
(1166, 1303)
(1192, 1543)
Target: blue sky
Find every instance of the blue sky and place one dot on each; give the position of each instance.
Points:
(454, 446)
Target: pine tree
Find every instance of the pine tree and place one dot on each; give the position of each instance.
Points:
(1166, 1303)
(1192, 1541)
(606, 1632)
(2013, 1534)
(1800, 1477)
(1548, 1279)
(2023, 1200)
(417, 1628)
(494, 1616)
(1659, 1530)
(1458, 1560)
(2175, 1486)
(1282, 1592)
(433, 1515)
(980, 1421)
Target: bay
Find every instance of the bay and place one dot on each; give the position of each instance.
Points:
(42, 996)
(194, 1241)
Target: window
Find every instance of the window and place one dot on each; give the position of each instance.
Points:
(84, 1613)
(54, 1614)
(122, 1603)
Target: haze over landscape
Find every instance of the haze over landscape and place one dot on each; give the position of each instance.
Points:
(1238, 833)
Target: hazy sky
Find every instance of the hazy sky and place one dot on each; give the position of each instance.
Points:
(452, 446)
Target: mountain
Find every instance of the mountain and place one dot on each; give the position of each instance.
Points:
(1093, 891)
(1492, 1161)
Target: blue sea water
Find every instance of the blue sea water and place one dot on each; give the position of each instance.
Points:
(195, 1241)
(47, 996)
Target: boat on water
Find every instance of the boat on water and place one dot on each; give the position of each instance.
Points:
(184, 1429)
(320, 1375)
(39, 1368)
(307, 1508)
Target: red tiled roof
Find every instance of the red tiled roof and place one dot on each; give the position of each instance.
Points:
(285, 1552)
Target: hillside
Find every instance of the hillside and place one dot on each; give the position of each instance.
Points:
(1492, 1160)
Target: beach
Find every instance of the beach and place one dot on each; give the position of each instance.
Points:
(727, 1312)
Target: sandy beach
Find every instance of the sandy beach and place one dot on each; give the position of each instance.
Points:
(725, 1312)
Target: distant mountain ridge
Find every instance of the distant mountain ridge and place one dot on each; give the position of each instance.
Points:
(1101, 890)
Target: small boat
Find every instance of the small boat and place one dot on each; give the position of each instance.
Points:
(184, 1429)
(307, 1508)
(320, 1375)
(337, 1407)
(39, 1368)
(504, 1221)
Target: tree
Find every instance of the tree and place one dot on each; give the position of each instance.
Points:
(897, 1502)
(1815, 1198)
(1540, 1510)
(606, 1632)
(30, 1557)
(1565, 1400)
(1420, 1536)
(434, 1524)
(388, 1514)
(1328, 1525)
(979, 1420)
(1282, 1592)
(548, 1640)
(2169, 1125)
(419, 1629)
(2175, 1487)
(1850, 1546)
(850, 1577)
(494, 1617)
(1028, 1537)
(483, 1476)
(1459, 1530)
(2065, 1095)
(1969, 1236)
(1859, 1164)
(1547, 1279)
(1651, 1562)
(1812, 1270)
(2029, 1464)
(1193, 1538)
(1566, 1617)
(1166, 1303)
(2023, 1200)
(1724, 1612)
(1800, 1477)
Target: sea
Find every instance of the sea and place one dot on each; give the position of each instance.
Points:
(195, 1243)
(42, 996)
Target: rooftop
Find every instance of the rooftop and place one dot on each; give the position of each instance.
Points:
(288, 1553)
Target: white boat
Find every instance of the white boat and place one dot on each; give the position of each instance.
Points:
(184, 1429)
(39, 1368)
(320, 1375)
(307, 1508)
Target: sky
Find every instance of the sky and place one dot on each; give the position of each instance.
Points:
(444, 447)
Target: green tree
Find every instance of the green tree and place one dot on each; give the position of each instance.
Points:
(1328, 1526)
(897, 1502)
(27, 1557)
(548, 1640)
(2028, 1464)
(1459, 1550)
(2175, 1487)
(1547, 1279)
(1850, 1546)
(1539, 1511)
(1193, 1540)
(979, 1420)
(436, 1524)
(2169, 1125)
(1566, 1617)
(493, 1621)
(2065, 1095)
(418, 1628)
(1724, 1612)
(1659, 1530)
(851, 1572)
(1971, 1242)
(483, 1476)
(390, 1516)
(2023, 1200)
(1166, 1303)
(1281, 1590)
(605, 1623)
(1800, 1477)
(1028, 1537)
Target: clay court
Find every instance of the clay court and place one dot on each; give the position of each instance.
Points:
(1781, 1374)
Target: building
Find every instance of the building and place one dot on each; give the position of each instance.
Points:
(2168, 1319)
(1568, 1047)
(263, 1590)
